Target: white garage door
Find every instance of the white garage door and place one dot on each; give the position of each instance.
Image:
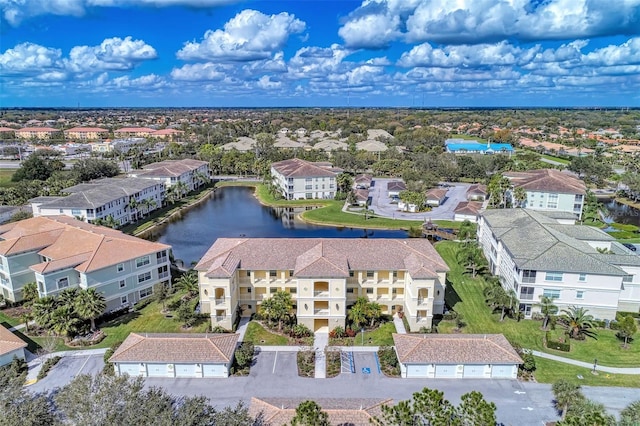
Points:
(157, 370)
(473, 371)
(502, 371)
(185, 370)
(213, 370)
(130, 369)
(416, 371)
(445, 371)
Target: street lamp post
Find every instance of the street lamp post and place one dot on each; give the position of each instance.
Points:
(595, 364)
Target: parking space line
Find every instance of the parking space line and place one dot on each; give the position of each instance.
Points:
(275, 359)
(83, 364)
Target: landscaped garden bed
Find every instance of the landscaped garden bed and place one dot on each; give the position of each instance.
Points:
(333, 361)
(306, 363)
(389, 364)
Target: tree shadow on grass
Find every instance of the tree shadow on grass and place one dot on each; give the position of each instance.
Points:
(121, 320)
(451, 296)
(32, 346)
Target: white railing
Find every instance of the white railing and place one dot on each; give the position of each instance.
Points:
(321, 311)
(220, 301)
(322, 293)
(221, 317)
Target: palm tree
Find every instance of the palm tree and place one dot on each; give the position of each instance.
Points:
(374, 312)
(180, 189)
(201, 178)
(578, 323)
(90, 304)
(358, 312)
(499, 298)
(566, 394)
(519, 196)
(278, 307)
(547, 308)
(133, 206)
(466, 233)
(30, 293)
(43, 310)
(68, 296)
(188, 282)
(64, 322)
(473, 260)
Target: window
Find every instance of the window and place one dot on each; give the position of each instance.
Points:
(291, 272)
(349, 291)
(122, 283)
(249, 307)
(369, 291)
(41, 287)
(123, 300)
(526, 293)
(120, 267)
(553, 276)
(627, 279)
(308, 180)
(248, 273)
(161, 256)
(551, 293)
(580, 294)
(582, 277)
(307, 187)
(528, 276)
(144, 277)
(273, 274)
(63, 282)
(273, 290)
(578, 198)
(142, 261)
(146, 292)
(351, 273)
(369, 274)
(249, 290)
(293, 290)
(308, 195)
(577, 207)
(76, 212)
(552, 202)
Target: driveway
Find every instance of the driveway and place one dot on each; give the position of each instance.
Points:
(382, 206)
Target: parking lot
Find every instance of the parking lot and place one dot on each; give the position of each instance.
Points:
(66, 369)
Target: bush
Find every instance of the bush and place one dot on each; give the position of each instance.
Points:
(142, 304)
(306, 363)
(351, 332)
(529, 364)
(300, 330)
(559, 346)
(451, 315)
(244, 355)
(219, 329)
(337, 333)
(48, 365)
(621, 315)
(537, 316)
(389, 361)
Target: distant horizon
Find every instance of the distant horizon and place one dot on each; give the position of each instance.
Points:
(320, 53)
(420, 108)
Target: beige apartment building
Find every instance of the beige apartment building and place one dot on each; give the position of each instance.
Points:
(325, 276)
(41, 133)
(86, 133)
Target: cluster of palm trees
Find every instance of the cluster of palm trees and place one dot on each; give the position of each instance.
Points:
(278, 309)
(364, 312)
(506, 301)
(65, 314)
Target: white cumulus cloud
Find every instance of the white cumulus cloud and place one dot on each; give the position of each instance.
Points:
(112, 54)
(199, 72)
(29, 58)
(250, 35)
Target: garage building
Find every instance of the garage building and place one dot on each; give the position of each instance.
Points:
(175, 355)
(456, 356)
(10, 346)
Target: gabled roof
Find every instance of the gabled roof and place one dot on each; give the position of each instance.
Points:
(296, 167)
(322, 257)
(371, 146)
(134, 130)
(9, 342)
(70, 243)
(87, 130)
(547, 180)
(455, 349)
(436, 194)
(341, 411)
(538, 242)
(477, 188)
(467, 208)
(170, 168)
(396, 185)
(37, 129)
(176, 348)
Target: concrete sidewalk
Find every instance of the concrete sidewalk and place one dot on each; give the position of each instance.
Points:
(320, 342)
(613, 370)
(242, 328)
(397, 321)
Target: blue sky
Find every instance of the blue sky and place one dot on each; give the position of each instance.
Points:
(387, 53)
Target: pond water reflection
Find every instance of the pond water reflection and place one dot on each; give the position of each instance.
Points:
(235, 212)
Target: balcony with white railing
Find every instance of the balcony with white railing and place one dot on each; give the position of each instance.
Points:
(321, 293)
(220, 301)
(425, 301)
(162, 259)
(321, 311)
(422, 319)
(221, 318)
(162, 275)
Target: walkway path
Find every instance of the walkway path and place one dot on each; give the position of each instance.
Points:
(397, 321)
(601, 368)
(320, 342)
(242, 328)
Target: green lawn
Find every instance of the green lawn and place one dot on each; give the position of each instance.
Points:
(258, 335)
(551, 371)
(7, 320)
(5, 177)
(381, 336)
(556, 159)
(466, 296)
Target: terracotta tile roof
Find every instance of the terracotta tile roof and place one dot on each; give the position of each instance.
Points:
(436, 194)
(547, 180)
(296, 167)
(341, 411)
(170, 348)
(9, 342)
(477, 188)
(66, 241)
(171, 167)
(468, 207)
(455, 349)
(134, 130)
(7, 129)
(87, 130)
(396, 185)
(323, 256)
(363, 179)
(37, 129)
(361, 194)
(167, 132)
